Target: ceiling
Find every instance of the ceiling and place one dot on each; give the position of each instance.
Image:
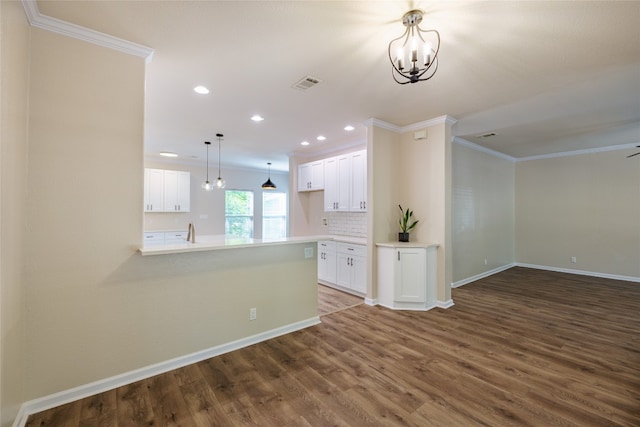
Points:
(545, 77)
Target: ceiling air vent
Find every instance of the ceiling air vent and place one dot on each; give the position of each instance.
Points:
(305, 83)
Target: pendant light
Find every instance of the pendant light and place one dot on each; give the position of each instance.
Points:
(268, 185)
(207, 185)
(220, 183)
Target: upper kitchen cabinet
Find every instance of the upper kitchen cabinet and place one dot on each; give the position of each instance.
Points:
(153, 190)
(346, 182)
(311, 176)
(358, 181)
(177, 191)
(167, 190)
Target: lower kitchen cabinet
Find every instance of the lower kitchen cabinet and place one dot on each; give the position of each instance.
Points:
(343, 266)
(327, 261)
(407, 276)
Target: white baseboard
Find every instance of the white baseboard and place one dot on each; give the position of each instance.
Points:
(445, 304)
(481, 275)
(371, 301)
(80, 392)
(580, 272)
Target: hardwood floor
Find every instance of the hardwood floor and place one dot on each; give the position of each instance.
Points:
(522, 347)
(331, 300)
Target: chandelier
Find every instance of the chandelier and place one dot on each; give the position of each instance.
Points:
(415, 53)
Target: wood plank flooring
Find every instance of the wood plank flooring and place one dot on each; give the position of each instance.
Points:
(331, 300)
(521, 348)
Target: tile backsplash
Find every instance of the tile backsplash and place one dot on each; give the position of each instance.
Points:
(347, 223)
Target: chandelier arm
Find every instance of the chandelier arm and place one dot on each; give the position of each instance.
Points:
(406, 37)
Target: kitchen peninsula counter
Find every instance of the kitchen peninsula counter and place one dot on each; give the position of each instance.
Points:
(221, 242)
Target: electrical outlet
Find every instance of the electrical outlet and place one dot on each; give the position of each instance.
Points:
(253, 314)
(308, 252)
(485, 262)
(325, 222)
(574, 260)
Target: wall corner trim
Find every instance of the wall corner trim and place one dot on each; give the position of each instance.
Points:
(80, 392)
(38, 20)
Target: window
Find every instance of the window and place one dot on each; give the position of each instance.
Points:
(238, 210)
(274, 215)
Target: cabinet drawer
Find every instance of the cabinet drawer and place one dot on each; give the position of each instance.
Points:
(175, 236)
(347, 248)
(326, 245)
(153, 238)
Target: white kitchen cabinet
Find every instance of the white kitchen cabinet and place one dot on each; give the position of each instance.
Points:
(172, 237)
(153, 190)
(331, 184)
(351, 267)
(311, 176)
(177, 191)
(407, 276)
(327, 261)
(167, 190)
(358, 198)
(153, 238)
(345, 182)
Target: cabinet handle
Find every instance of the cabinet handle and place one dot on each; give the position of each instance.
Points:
(398, 255)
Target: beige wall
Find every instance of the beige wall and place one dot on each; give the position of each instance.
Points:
(14, 72)
(587, 206)
(96, 307)
(207, 208)
(483, 212)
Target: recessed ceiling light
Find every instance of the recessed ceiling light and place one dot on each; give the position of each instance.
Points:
(257, 118)
(201, 90)
(321, 138)
(349, 128)
(304, 143)
(168, 154)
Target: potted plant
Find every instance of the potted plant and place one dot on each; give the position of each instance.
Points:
(406, 224)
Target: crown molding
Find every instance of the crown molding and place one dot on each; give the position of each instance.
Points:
(578, 152)
(38, 20)
(480, 148)
(415, 126)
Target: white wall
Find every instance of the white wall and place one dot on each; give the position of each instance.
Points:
(483, 212)
(207, 208)
(14, 72)
(587, 206)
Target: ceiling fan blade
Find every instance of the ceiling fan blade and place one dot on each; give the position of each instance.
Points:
(635, 154)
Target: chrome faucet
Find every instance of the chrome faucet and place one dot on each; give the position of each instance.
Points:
(191, 234)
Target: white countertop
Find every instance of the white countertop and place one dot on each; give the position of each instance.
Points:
(218, 242)
(407, 244)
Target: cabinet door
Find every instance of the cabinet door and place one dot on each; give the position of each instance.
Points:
(327, 262)
(170, 191)
(184, 191)
(358, 201)
(359, 274)
(153, 190)
(344, 182)
(343, 270)
(410, 275)
(304, 177)
(330, 184)
(317, 175)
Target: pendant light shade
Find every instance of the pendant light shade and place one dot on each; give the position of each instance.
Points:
(268, 185)
(220, 182)
(207, 185)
